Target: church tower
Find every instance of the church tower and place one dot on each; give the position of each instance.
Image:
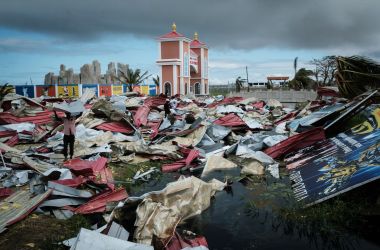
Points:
(183, 64)
(199, 66)
(174, 57)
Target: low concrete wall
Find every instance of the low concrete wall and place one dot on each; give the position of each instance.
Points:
(284, 96)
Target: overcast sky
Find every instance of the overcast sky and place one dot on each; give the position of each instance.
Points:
(36, 36)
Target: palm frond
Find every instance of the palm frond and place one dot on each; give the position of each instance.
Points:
(356, 75)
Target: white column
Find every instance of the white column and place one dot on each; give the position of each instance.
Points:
(181, 83)
(160, 89)
(202, 63)
(175, 80)
(202, 86)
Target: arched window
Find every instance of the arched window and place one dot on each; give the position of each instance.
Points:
(168, 89)
(197, 88)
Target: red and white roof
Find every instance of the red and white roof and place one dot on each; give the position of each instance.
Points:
(196, 43)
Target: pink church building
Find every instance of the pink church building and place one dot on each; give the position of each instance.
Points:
(183, 64)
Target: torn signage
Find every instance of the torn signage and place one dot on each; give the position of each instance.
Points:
(337, 165)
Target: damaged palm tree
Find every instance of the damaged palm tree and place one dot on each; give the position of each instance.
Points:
(356, 74)
(4, 90)
(133, 77)
(156, 81)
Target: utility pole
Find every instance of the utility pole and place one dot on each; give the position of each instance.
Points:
(246, 71)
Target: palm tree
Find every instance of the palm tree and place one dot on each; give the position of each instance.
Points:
(295, 64)
(133, 77)
(356, 75)
(5, 90)
(302, 79)
(156, 81)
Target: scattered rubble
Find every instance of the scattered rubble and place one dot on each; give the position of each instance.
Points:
(325, 154)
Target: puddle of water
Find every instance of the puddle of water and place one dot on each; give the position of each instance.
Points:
(248, 217)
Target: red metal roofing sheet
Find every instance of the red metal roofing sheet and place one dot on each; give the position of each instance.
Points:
(230, 120)
(296, 142)
(77, 181)
(80, 166)
(42, 117)
(116, 127)
(4, 192)
(13, 141)
(154, 101)
(98, 203)
(7, 133)
(192, 155)
(141, 116)
(228, 100)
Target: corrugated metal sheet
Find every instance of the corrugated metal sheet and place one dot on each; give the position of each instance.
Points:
(230, 120)
(40, 118)
(115, 127)
(192, 155)
(95, 171)
(154, 101)
(84, 167)
(7, 133)
(17, 206)
(98, 204)
(141, 116)
(228, 100)
(296, 142)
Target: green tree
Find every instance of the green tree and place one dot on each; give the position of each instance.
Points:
(133, 77)
(356, 75)
(302, 79)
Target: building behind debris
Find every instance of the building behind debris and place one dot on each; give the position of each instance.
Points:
(183, 64)
(89, 74)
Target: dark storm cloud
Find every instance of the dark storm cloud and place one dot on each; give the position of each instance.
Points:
(241, 24)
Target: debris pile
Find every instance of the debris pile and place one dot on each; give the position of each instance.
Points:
(189, 139)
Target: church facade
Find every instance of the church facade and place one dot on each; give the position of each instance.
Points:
(183, 64)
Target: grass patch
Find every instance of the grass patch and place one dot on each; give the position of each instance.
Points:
(123, 173)
(42, 232)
